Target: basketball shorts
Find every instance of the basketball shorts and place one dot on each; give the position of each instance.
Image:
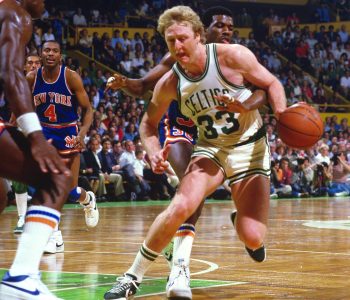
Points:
(63, 137)
(239, 162)
(171, 134)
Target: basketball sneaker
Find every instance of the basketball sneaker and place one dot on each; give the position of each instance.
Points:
(91, 211)
(20, 225)
(178, 286)
(28, 287)
(124, 289)
(55, 243)
(258, 255)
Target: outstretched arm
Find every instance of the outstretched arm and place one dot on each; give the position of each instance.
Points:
(138, 87)
(12, 39)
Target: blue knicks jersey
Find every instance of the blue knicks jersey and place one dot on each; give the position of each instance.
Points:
(54, 102)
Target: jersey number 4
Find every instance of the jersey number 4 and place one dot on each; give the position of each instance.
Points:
(50, 113)
(208, 122)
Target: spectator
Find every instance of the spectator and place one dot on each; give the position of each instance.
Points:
(85, 42)
(109, 168)
(48, 36)
(139, 166)
(79, 19)
(340, 185)
(345, 83)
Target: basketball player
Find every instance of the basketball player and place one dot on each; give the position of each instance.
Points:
(57, 93)
(20, 189)
(230, 146)
(26, 156)
(180, 131)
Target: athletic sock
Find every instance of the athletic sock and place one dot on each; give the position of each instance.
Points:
(21, 202)
(74, 194)
(40, 222)
(142, 262)
(183, 241)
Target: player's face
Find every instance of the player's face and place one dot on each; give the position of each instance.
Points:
(220, 30)
(34, 7)
(51, 54)
(32, 63)
(182, 42)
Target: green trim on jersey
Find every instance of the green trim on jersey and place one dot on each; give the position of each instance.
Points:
(222, 75)
(177, 67)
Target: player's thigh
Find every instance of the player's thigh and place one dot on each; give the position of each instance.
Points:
(252, 198)
(202, 178)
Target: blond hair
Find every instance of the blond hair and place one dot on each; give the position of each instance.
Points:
(180, 14)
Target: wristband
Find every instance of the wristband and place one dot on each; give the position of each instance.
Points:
(28, 123)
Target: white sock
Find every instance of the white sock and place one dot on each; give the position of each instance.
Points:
(142, 262)
(21, 202)
(183, 242)
(40, 222)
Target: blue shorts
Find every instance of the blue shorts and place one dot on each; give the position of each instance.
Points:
(175, 127)
(63, 137)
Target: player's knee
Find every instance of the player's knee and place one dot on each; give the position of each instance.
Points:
(180, 210)
(252, 235)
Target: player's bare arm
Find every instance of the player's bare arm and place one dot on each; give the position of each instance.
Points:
(76, 86)
(13, 37)
(138, 87)
(164, 92)
(242, 60)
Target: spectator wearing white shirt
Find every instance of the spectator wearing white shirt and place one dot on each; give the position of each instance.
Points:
(79, 19)
(48, 36)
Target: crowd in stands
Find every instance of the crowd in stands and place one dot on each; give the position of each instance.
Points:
(114, 166)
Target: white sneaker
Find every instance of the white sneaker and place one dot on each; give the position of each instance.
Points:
(20, 225)
(55, 243)
(178, 285)
(24, 287)
(91, 211)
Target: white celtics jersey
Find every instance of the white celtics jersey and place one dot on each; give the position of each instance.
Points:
(196, 101)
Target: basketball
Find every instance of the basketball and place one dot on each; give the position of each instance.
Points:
(300, 126)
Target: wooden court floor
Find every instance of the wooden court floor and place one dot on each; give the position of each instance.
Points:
(308, 252)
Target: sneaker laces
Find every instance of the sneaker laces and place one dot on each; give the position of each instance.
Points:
(183, 269)
(123, 284)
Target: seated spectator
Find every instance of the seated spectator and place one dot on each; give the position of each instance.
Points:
(93, 167)
(302, 178)
(109, 167)
(323, 155)
(279, 185)
(85, 42)
(345, 83)
(79, 19)
(139, 165)
(48, 36)
(340, 184)
(322, 178)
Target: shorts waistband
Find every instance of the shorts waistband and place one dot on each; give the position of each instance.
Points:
(255, 137)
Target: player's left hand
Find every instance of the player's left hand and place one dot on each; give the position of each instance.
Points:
(159, 163)
(230, 104)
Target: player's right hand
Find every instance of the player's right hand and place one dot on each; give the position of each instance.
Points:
(158, 161)
(116, 84)
(46, 155)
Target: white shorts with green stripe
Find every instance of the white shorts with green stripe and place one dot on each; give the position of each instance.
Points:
(238, 162)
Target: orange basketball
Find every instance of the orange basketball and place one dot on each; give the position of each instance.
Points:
(300, 126)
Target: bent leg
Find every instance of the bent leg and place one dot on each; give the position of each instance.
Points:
(251, 197)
